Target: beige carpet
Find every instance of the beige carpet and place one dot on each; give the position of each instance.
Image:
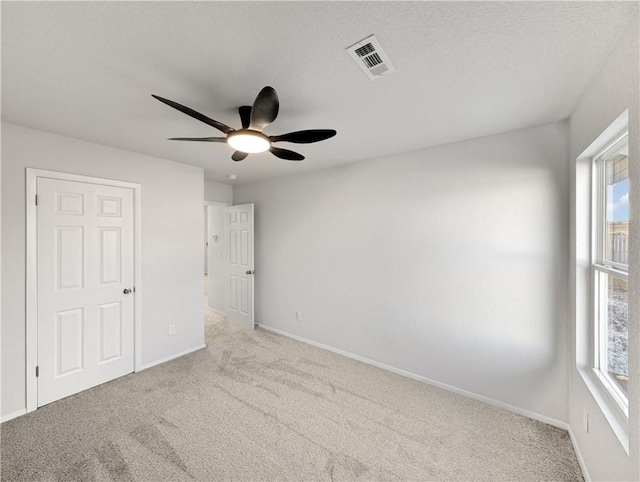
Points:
(258, 406)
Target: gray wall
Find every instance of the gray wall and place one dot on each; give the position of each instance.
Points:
(449, 263)
(172, 233)
(216, 191)
(614, 90)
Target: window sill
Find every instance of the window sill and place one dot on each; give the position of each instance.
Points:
(610, 408)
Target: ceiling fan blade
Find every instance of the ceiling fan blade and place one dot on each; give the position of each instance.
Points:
(239, 155)
(286, 154)
(305, 137)
(245, 116)
(196, 115)
(265, 109)
(201, 139)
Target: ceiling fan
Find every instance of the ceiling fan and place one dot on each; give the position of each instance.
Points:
(250, 139)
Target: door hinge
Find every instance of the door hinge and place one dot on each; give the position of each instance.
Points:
(36, 199)
(134, 289)
(37, 371)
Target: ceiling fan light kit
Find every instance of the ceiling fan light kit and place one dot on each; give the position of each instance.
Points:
(250, 139)
(251, 142)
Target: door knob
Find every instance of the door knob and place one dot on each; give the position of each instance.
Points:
(126, 291)
(251, 271)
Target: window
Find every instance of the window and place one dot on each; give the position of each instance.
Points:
(610, 268)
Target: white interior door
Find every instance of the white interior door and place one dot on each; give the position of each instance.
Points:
(85, 251)
(238, 232)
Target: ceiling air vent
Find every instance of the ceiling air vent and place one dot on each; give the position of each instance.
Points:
(370, 57)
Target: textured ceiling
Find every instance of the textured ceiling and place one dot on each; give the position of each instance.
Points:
(464, 69)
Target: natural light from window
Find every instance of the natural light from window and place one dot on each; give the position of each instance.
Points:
(610, 268)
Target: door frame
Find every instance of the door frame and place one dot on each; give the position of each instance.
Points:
(32, 176)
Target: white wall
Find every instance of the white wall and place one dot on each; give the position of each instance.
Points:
(449, 263)
(206, 239)
(216, 191)
(614, 90)
(1, 404)
(217, 257)
(171, 289)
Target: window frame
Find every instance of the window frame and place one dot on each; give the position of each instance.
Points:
(601, 269)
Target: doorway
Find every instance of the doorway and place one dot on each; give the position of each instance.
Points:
(229, 282)
(215, 256)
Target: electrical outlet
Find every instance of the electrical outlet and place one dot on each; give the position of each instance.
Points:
(299, 315)
(172, 329)
(585, 420)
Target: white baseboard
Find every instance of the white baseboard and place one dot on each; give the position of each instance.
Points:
(172, 357)
(11, 416)
(220, 312)
(579, 456)
(429, 381)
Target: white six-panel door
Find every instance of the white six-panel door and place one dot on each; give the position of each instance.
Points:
(238, 231)
(85, 253)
